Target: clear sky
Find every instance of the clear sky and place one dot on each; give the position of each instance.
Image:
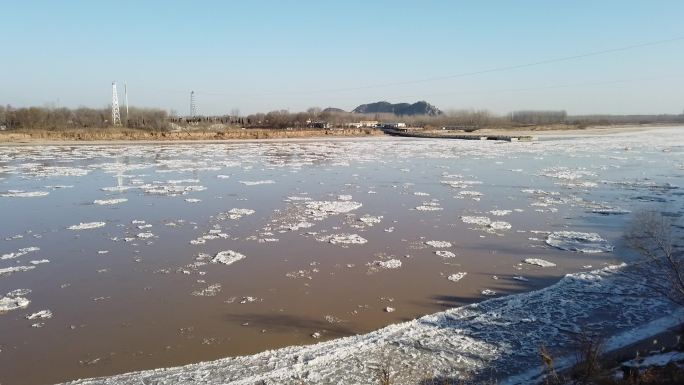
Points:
(283, 54)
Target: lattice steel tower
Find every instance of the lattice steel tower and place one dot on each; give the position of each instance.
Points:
(193, 104)
(116, 116)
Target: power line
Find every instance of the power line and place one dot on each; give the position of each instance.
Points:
(462, 74)
(498, 69)
(549, 87)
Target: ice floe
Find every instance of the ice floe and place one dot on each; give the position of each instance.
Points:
(476, 220)
(438, 244)
(43, 314)
(87, 226)
(24, 194)
(445, 254)
(579, 242)
(15, 269)
(499, 225)
(113, 201)
(227, 257)
(539, 262)
(389, 264)
(20, 253)
(13, 303)
(500, 213)
(343, 239)
(457, 276)
(239, 213)
(256, 182)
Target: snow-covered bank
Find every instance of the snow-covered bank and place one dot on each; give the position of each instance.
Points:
(495, 337)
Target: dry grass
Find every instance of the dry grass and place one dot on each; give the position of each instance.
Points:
(129, 134)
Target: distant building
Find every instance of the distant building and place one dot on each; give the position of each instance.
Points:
(369, 123)
(364, 124)
(319, 124)
(393, 125)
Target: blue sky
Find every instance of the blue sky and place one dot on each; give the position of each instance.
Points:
(267, 55)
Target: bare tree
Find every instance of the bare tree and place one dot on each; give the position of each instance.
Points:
(652, 235)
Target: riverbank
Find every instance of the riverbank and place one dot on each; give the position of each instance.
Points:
(114, 135)
(118, 134)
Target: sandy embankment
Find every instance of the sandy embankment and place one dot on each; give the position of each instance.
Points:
(111, 136)
(124, 135)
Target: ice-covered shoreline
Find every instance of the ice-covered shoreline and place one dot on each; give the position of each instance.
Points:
(496, 337)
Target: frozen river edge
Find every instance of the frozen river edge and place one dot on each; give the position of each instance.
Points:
(498, 337)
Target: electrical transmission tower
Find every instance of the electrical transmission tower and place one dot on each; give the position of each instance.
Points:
(193, 105)
(116, 116)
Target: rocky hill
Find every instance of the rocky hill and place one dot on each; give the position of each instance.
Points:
(418, 108)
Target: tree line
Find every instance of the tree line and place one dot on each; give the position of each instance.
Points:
(51, 118)
(62, 118)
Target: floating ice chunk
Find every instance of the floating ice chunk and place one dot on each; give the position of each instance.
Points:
(520, 278)
(298, 198)
(488, 292)
(24, 194)
(117, 188)
(428, 208)
(145, 235)
(14, 269)
(344, 197)
(248, 300)
(239, 213)
(539, 262)
(87, 226)
(370, 220)
(209, 291)
(193, 200)
(343, 239)
(256, 182)
(566, 173)
(579, 242)
(13, 303)
(421, 194)
(438, 244)
(316, 335)
(332, 207)
(610, 211)
(389, 309)
(221, 176)
(19, 292)
(474, 220)
(431, 205)
(390, 264)
(114, 201)
(457, 276)
(297, 226)
(468, 193)
(500, 213)
(39, 262)
(445, 254)
(500, 225)
(227, 257)
(20, 252)
(43, 314)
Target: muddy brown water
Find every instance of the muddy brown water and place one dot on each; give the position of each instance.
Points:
(133, 307)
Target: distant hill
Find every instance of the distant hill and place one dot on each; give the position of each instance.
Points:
(418, 108)
(333, 109)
